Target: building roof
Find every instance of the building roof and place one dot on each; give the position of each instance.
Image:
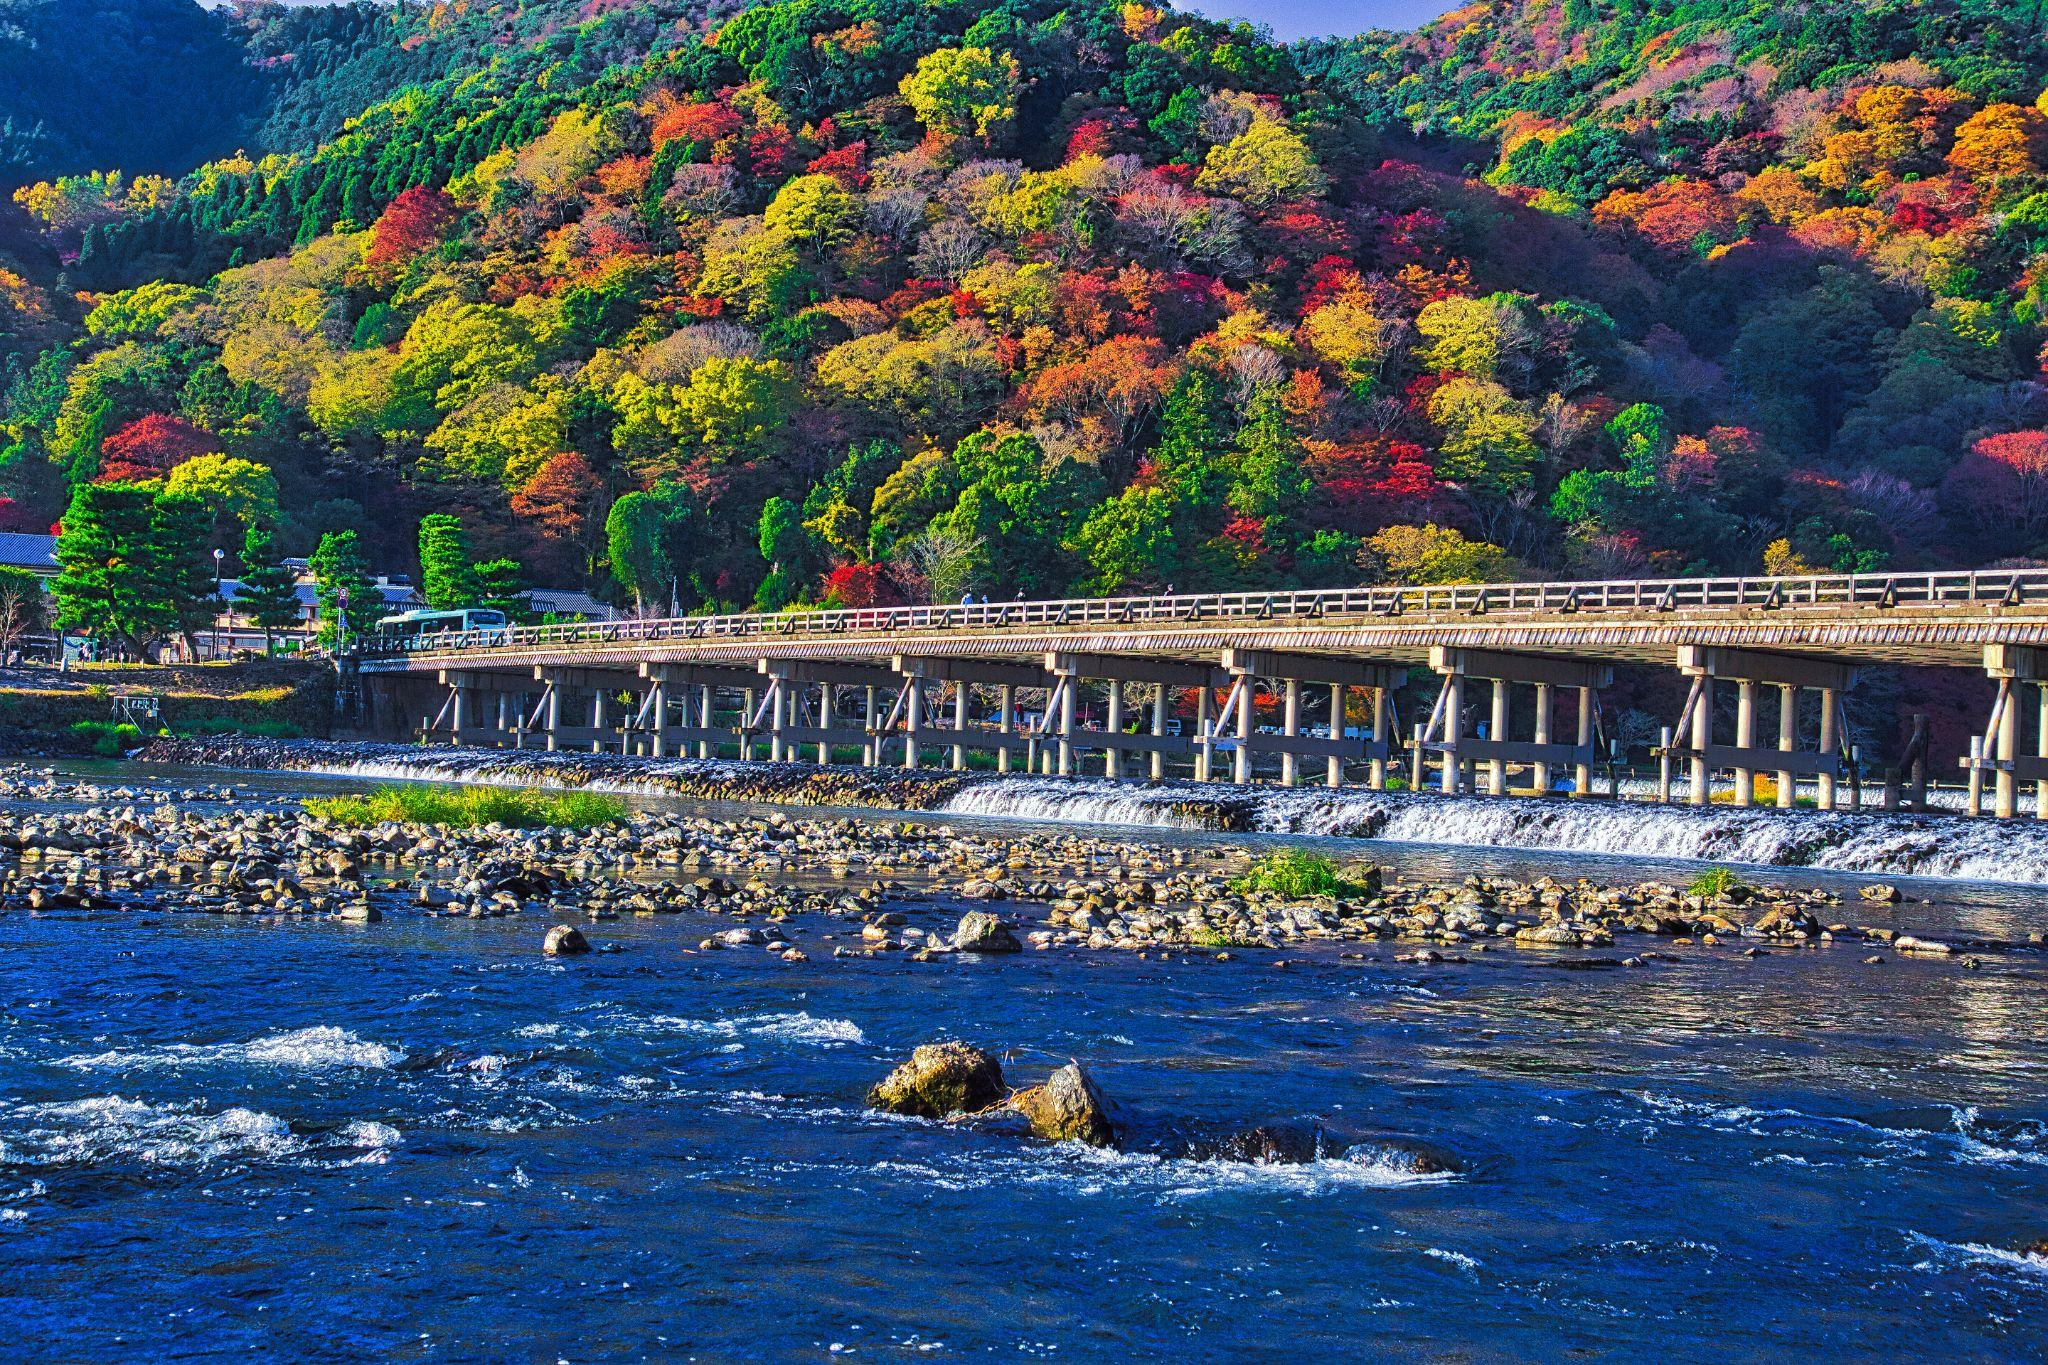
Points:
(23, 550)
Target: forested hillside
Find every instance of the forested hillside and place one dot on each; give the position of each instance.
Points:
(846, 302)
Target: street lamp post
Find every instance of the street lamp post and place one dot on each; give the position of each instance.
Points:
(217, 602)
(340, 621)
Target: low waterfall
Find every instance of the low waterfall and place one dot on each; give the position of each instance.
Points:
(1871, 843)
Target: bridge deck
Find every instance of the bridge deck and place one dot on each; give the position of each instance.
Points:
(1926, 619)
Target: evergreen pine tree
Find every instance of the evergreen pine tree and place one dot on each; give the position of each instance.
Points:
(269, 587)
(106, 583)
(179, 528)
(338, 566)
(447, 571)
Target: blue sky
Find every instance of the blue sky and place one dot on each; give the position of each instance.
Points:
(1311, 19)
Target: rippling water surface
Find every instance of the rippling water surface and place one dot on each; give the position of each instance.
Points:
(421, 1139)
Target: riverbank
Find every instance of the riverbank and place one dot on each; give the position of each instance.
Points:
(1873, 844)
(44, 711)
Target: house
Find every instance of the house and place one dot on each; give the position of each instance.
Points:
(567, 604)
(21, 550)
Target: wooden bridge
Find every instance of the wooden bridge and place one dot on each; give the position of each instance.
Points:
(1045, 685)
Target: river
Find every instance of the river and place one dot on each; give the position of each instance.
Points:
(422, 1140)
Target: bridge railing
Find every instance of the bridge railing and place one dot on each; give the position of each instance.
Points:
(1985, 587)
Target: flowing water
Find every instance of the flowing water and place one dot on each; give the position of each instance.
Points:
(422, 1140)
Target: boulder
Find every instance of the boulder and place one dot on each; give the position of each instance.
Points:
(1263, 1146)
(981, 932)
(1880, 892)
(1549, 936)
(940, 1080)
(1067, 1108)
(565, 940)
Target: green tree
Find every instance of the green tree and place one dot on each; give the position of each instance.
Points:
(447, 569)
(180, 526)
(964, 91)
(786, 546)
(501, 586)
(1269, 480)
(339, 567)
(635, 533)
(1129, 541)
(1189, 461)
(269, 596)
(107, 577)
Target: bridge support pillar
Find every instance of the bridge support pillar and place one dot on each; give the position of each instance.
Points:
(482, 708)
(2014, 668)
(1498, 751)
(1791, 674)
(1290, 670)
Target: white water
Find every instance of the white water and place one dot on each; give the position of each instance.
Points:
(1868, 843)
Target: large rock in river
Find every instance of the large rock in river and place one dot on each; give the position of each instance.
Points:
(940, 1080)
(564, 940)
(981, 932)
(1067, 1108)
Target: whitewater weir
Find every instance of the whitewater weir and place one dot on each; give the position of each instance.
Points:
(1868, 843)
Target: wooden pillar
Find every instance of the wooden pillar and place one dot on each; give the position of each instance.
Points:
(871, 748)
(2005, 799)
(1006, 725)
(1382, 718)
(1158, 765)
(2041, 750)
(913, 719)
(960, 695)
(1290, 726)
(1788, 740)
(552, 714)
(1497, 730)
(1205, 746)
(1665, 737)
(1918, 771)
(1541, 775)
(1333, 769)
(1975, 803)
(1067, 700)
(828, 715)
(1112, 756)
(746, 726)
(1454, 733)
(1702, 736)
(1582, 774)
(1241, 761)
(1745, 738)
(1827, 747)
(775, 753)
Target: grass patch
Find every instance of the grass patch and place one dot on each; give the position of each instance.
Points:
(1715, 881)
(1296, 874)
(1219, 938)
(468, 807)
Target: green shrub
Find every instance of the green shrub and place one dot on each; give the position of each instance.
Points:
(107, 739)
(1295, 873)
(468, 807)
(1715, 881)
